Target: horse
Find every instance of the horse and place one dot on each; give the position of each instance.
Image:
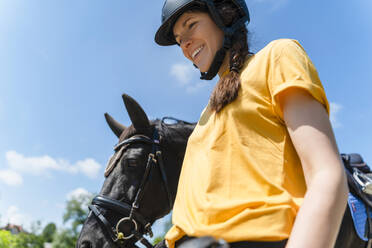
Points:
(141, 180)
(141, 184)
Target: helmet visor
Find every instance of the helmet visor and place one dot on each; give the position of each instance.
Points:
(164, 36)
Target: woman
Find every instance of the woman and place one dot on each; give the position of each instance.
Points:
(262, 168)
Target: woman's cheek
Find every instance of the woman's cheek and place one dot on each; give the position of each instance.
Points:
(185, 54)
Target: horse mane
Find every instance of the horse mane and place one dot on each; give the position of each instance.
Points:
(131, 131)
(180, 130)
(168, 132)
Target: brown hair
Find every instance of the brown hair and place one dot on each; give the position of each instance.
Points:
(226, 89)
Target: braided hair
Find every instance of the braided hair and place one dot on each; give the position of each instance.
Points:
(228, 86)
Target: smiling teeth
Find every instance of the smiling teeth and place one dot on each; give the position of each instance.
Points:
(196, 52)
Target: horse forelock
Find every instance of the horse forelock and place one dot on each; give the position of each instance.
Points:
(131, 131)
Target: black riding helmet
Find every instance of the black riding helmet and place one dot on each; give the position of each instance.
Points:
(173, 9)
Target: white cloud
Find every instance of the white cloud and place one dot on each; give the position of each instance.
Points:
(10, 178)
(196, 87)
(187, 77)
(182, 72)
(33, 165)
(334, 111)
(89, 167)
(76, 193)
(82, 195)
(43, 166)
(14, 216)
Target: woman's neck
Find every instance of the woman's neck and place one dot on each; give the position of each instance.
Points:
(225, 65)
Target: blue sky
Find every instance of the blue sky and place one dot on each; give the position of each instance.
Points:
(63, 64)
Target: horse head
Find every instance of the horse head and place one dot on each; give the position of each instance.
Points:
(141, 180)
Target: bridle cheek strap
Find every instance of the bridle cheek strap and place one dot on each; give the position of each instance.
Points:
(164, 176)
(143, 184)
(103, 220)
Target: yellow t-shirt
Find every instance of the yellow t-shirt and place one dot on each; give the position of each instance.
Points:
(241, 177)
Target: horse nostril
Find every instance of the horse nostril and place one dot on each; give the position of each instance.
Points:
(86, 244)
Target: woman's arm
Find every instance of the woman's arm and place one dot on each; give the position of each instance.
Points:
(319, 218)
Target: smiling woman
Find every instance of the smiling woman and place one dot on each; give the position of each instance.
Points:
(64, 63)
(209, 48)
(263, 150)
(199, 38)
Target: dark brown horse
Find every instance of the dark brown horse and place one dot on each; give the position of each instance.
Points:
(141, 183)
(141, 180)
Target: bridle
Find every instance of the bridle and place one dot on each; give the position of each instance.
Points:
(128, 212)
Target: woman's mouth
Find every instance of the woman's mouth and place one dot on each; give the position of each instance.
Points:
(196, 52)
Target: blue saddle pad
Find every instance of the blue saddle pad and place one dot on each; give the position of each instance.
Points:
(359, 215)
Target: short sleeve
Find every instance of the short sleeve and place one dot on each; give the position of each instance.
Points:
(291, 67)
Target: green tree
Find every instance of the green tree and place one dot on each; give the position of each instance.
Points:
(36, 227)
(25, 240)
(48, 232)
(7, 240)
(66, 238)
(77, 211)
(32, 239)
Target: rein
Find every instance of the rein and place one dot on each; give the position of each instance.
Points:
(128, 212)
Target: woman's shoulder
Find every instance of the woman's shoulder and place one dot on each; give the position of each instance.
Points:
(280, 44)
(276, 52)
(283, 42)
(277, 47)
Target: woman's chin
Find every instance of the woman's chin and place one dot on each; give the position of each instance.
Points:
(203, 68)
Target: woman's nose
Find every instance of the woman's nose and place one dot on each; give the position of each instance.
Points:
(185, 43)
(184, 46)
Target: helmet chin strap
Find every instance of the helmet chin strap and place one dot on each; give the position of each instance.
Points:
(218, 60)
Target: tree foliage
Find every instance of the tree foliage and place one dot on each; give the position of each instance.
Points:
(48, 232)
(21, 240)
(24, 240)
(77, 211)
(7, 240)
(65, 238)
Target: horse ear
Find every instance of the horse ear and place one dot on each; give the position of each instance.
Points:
(136, 113)
(115, 126)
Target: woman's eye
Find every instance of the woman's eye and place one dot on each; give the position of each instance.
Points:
(192, 24)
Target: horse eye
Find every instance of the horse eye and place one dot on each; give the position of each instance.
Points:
(131, 162)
